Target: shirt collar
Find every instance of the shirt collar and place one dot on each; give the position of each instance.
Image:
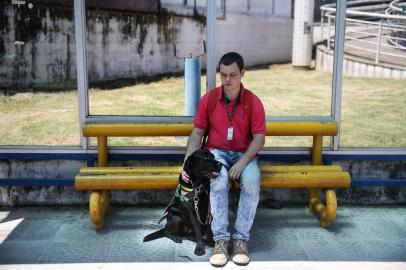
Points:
(222, 96)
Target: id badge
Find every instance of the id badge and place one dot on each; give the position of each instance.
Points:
(230, 133)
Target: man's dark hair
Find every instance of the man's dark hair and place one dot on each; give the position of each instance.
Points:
(230, 58)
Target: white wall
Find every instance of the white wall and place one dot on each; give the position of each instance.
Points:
(258, 39)
(130, 45)
(264, 8)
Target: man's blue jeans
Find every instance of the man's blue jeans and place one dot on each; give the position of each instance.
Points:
(249, 197)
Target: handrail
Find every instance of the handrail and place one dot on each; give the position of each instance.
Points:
(381, 24)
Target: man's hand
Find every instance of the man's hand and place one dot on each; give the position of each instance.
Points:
(236, 170)
(185, 176)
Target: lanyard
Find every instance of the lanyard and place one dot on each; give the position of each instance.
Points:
(231, 116)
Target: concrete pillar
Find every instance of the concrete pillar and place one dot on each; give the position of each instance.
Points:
(303, 33)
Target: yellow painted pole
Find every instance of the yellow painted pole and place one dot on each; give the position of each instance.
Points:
(105, 201)
(316, 160)
(273, 128)
(95, 210)
(331, 205)
(102, 151)
(169, 181)
(303, 180)
(99, 200)
(287, 169)
(176, 169)
(317, 149)
(118, 181)
(314, 198)
(137, 129)
(301, 128)
(321, 210)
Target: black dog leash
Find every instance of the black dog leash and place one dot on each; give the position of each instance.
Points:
(197, 191)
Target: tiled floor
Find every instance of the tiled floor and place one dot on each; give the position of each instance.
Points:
(62, 235)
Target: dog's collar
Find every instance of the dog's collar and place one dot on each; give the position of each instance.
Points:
(182, 194)
(186, 189)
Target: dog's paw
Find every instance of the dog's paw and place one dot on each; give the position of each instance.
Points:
(210, 243)
(178, 239)
(199, 251)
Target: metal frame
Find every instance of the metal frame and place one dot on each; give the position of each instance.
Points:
(81, 66)
(329, 157)
(361, 19)
(85, 147)
(338, 68)
(211, 44)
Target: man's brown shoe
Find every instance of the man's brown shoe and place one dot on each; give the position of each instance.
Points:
(220, 253)
(240, 252)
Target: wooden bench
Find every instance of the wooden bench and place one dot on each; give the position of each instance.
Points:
(317, 177)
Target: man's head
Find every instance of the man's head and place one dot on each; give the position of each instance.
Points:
(232, 70)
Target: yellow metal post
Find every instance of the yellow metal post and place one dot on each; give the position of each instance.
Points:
(331, 207)
(327, 212)
(170, 180)
(317, 149)
(95, 210)
(102, 151)
(176, 169)
(314, 198)
(98, 205)
(316, 160)
(99, 200)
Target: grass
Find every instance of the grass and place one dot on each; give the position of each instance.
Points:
(373, 113)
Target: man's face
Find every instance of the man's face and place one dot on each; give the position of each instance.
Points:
(231, 76)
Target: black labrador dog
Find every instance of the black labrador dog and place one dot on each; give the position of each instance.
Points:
(188, 213)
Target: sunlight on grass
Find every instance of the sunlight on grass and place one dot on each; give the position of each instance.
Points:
(372, 111)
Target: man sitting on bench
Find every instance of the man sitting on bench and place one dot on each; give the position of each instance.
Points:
(234, 120)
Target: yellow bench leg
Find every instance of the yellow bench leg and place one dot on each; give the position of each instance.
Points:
(327, 212)
(98, 206)
(314, 198)
(331, 208)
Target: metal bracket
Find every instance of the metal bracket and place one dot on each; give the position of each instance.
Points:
(190, 54)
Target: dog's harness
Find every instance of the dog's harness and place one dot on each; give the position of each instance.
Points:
(185, 194)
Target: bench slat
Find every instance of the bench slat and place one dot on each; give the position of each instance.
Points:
(273, 128)
(176, 169)
(169, 181)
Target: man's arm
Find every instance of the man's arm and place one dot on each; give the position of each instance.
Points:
(255, 146)
(194, 142)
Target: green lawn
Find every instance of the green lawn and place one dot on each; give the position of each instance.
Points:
(373, 113)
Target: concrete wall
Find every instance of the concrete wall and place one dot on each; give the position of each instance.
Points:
(129, 45)
(67, 169)
(263, 8)
(119, 45)
(357, 66)
(259, 40)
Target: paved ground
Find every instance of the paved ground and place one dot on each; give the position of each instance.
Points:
(367, 237)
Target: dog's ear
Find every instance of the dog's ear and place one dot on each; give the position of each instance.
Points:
(188, 165)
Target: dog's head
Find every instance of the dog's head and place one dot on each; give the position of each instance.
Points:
(201, 166)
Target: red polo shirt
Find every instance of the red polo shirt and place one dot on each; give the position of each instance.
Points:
(243, 126)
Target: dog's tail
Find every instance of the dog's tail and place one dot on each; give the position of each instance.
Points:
(155, 235)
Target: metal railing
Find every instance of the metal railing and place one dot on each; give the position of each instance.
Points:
(374, 29)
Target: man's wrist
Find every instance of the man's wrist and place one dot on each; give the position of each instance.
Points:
(245, 159)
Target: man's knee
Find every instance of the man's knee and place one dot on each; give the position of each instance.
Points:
(220, 183)
(251, 178)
